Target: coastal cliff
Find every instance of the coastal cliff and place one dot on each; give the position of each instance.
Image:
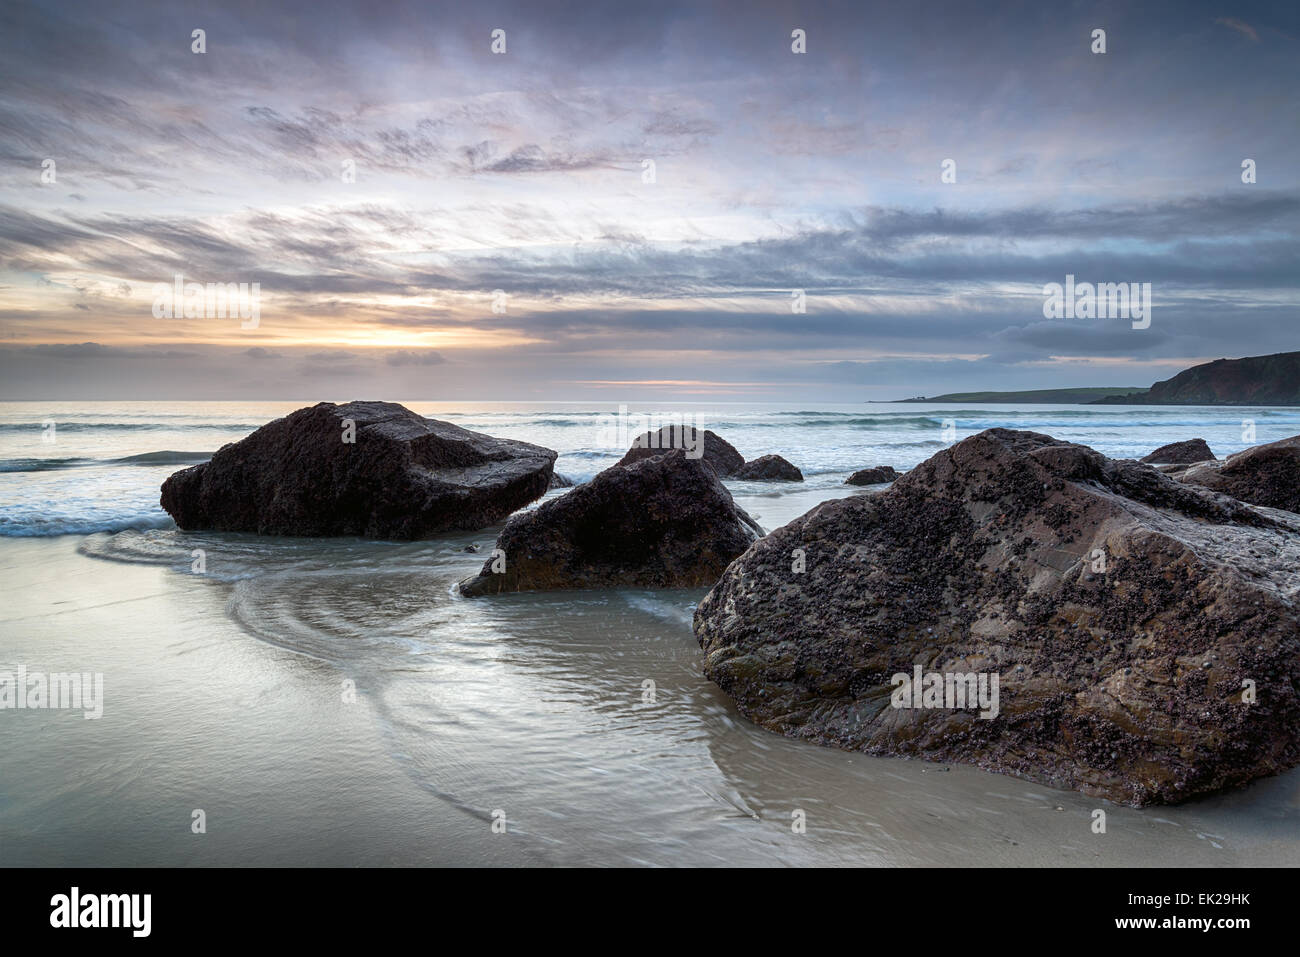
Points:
(1254, 380)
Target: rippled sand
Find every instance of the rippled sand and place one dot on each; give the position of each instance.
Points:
(225, 692)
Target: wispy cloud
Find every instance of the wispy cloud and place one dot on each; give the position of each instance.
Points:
(1245, 29)
(637, 189)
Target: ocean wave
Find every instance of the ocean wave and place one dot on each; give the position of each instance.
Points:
(49, 526)
(884, 446)
(721, 425)
(154, 546)
(164, 457)
(229, 556)
(42, 465)
(610, 453)
(109, 482)
(476, 420)
(75, 426)
(1033, 421)
(869, 421)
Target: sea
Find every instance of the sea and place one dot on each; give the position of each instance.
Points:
(336, 702)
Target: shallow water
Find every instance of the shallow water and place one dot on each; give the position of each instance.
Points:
(225, 691)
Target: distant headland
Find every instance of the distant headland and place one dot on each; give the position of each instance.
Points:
(1253, 380)
(1039, 396)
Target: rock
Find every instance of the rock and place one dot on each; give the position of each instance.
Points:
(404, 477)
(716, 451)
(769, 467)
(1095, 590)
(1267, 475)
(663, 522)
(876, 476)
(1253, 380)
(1181, 453)
(560, 481)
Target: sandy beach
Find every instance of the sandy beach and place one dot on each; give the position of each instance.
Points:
(226, 692)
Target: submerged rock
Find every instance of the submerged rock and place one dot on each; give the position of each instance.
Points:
(401, 476)
(876, 476)
(1267, 475)
(560, 481)
(715, 451)
(769, 467)
(662, 522)
(1145, 635)
(1181, 453)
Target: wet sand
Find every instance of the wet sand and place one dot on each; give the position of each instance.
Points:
(224, 691)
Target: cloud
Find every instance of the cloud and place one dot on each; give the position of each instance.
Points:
(330, 356)
(79, 350)
(1245, 29)
(523, 173)
(410, 357)
(533, 159)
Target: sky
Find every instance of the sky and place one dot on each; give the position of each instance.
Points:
(632, 201)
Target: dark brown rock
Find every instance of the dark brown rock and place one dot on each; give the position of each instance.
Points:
(769, 468)
(875, 476)
(1123, 681)
(715, 451)
(1267, 475)
(403, 477)
(1253, 380)
(1181, 453)
(663, 522)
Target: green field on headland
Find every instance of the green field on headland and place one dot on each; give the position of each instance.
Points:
(1036, 396)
